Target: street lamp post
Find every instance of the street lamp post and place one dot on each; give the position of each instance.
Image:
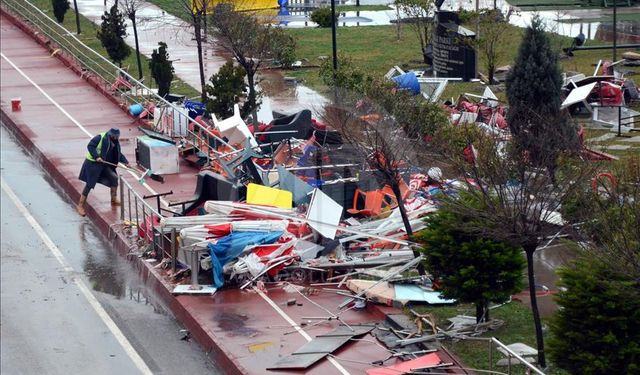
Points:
(615, 28)
(333, 36)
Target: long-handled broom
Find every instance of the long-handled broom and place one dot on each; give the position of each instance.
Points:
(155, 177)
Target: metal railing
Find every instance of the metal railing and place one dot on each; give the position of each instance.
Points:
(510, 354)
(175, 122)
(144, 221)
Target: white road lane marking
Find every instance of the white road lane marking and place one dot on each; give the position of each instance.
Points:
(71, 117)
(297, 328)
(111, 325)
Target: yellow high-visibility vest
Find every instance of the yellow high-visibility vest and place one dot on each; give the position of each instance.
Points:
(98, 149)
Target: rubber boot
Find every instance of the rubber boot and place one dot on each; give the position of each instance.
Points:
(80, 206)
(114, 196)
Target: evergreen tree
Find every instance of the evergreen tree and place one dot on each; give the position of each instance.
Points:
(533, 87)
(60, 8)
(225, 89)
(112, 33)
(161, 69)
(597, 329)
(470, 268)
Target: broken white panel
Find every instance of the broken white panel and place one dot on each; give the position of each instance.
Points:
(432, 88)
(608, 117)
(571, 80)
(491, 98)
(173, 120)
(467, 118)
(578, 95)
(234, 128)
(324, 214)
(523, 350)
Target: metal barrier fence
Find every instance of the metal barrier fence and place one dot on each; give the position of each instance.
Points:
(176, 121)
(144, 221)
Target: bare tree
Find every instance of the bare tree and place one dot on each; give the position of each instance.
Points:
(419, 14)
(249, 41)
(130, 9)
(379, 141)
(195, 11)
(520, 199)
(489, 40)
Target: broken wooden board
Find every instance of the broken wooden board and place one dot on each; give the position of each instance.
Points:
(382, 293)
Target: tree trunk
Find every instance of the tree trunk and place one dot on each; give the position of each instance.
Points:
(197, 28)
(135, 36)
(479, 311)
(252, 95)
(491, 73)
(75, 6)
(486, 311)
(529, 250)
(204, 21)
(405, 220)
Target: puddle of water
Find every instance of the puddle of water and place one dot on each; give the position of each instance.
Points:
(234, 323)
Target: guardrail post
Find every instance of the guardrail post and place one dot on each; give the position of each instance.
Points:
(144, 222)
(194, 269)
(173, 251)
(121, 199)
(491, 354)
(129, 204)
(135, 197)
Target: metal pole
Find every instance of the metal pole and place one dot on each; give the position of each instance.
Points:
(490, 355)
(615, 28)
(144, 220)
(137, 220)
(75, 5)
(619, 121)
(173, 250)
(194, 270)
(121, 199)
(333, 38)
(129, 204)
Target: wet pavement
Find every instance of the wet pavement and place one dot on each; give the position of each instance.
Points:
(546, 262)
(47, 324)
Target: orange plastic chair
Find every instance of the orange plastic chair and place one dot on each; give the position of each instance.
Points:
(373, 203)
(405, 191)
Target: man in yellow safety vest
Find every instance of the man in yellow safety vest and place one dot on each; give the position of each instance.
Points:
(104, 148)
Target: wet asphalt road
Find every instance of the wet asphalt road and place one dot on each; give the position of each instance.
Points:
(48, 324)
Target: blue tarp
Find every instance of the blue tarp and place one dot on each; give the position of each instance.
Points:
(408, 81)
(230, 247)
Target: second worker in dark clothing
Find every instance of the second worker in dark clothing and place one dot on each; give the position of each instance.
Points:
(103, 147)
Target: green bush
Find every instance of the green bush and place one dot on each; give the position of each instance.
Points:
(225, 89)
(322, 16)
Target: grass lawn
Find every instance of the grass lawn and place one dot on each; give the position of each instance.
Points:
(376, 49)
(518, 327)
(88, 37)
